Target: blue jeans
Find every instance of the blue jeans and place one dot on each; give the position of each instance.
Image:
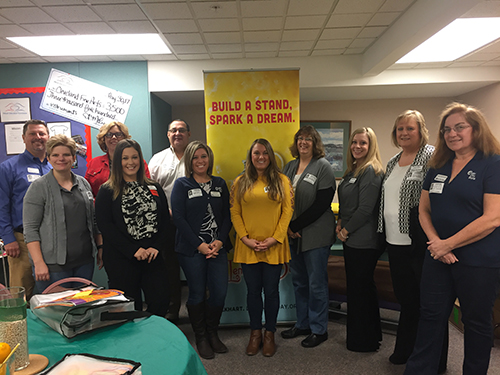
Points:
(202, 273)
(310, 283)
(86, 271)
(258, 277)
(476, 289)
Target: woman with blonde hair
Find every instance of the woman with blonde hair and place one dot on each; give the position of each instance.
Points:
(59, 220)
(359, 192)
(261, 209)
(98, 169)
(460, 214)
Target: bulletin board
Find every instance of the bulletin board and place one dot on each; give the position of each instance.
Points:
(17, 103)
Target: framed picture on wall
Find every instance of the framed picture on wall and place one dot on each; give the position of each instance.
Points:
(335, 137)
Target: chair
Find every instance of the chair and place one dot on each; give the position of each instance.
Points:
(58, 285)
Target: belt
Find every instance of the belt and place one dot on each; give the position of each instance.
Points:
(19, 229)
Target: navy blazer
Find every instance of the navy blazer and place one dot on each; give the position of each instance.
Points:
(189, 205)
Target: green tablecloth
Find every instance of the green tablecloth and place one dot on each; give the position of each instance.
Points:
(156, 343)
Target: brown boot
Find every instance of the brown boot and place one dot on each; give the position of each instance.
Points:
(269, 347)
(255, 341)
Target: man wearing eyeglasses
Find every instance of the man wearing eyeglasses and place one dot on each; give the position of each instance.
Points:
(166, 167)
(16, 175)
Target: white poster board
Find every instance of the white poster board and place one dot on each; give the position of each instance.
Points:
(14, 143)
(84, 101)
(15, 109)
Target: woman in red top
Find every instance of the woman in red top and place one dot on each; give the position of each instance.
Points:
(99, 167)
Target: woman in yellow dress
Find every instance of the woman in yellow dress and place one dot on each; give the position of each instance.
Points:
(261, 209)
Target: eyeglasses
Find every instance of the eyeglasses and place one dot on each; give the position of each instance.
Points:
(118, 135)
(175, 130)
(458, 129)
(308, 139)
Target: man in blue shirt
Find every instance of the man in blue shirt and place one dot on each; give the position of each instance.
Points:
(16, 175)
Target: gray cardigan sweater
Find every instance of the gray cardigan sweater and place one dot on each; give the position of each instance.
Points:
(44, 220)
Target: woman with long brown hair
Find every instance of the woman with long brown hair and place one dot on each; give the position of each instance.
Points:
(261, 209)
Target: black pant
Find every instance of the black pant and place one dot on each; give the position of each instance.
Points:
(173, 271)
(363, 316)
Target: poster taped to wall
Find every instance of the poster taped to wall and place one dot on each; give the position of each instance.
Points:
(15, 109)
(84, 101)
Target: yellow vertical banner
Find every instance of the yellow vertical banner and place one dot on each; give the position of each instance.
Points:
(243, 106)
(239, 108)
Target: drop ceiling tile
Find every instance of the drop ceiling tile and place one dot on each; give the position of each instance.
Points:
(192, 38)
(254, 55)
(8, 53)
(383, 19)
(57, 59)
(493, 47)
(484, 9)
(348, 20)
(293, 53)
(59, 2)
(492, 63)
(211, 9)
(222, 38)
(433, 65)
(176, 26)
(227, 55)
(224, 48)
(4, 20)
(334, 43)
(159, 57)
(123, 12)
(94, 58)
(202, 56)
(354, 51)
(75, 13)
(296, 46)
(95, 2)
(27, 60)
(403, 66)
(301, 7)
(344, 33)
(26, 15)
(328, 52)
(396, 5)
(48, 29)
(15, 3)
(361, 42)
(188, 49)
(13, 30)
(166, 11)
(6, 44)
(127, 58)
(479, 56)
(262, 23)
(298, 35)
(465, 64)
(90, 28)
(133, 27)
(305, 22)
(261, 47)
(262, 36)
(225, 24)
(264, 8)
(358, 6)
(372, 32)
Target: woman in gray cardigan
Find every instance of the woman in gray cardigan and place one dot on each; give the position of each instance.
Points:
(359, 193)
(311, 235)
(59, 222)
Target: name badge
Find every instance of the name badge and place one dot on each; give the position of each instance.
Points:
(33, 177)
(194, 193)
(414, 168)
(89, 195)
(33, 170)
(436, 188)
(153, 190)
(310, 178)
(441, 178)
(215, 194)
(416, 176)
(352, 180)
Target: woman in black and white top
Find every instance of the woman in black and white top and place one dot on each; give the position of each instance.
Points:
(398, 218)
(132, 215)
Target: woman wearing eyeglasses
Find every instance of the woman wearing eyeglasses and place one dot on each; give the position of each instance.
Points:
(311, 235)
(460, 213)
(99, 167)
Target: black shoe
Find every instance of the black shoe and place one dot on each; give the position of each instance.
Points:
(294, 332)
(314, 340)
(398, 359)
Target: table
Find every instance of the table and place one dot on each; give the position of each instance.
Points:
(156, 343)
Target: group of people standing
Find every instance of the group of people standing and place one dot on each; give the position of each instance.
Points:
(435, 209)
